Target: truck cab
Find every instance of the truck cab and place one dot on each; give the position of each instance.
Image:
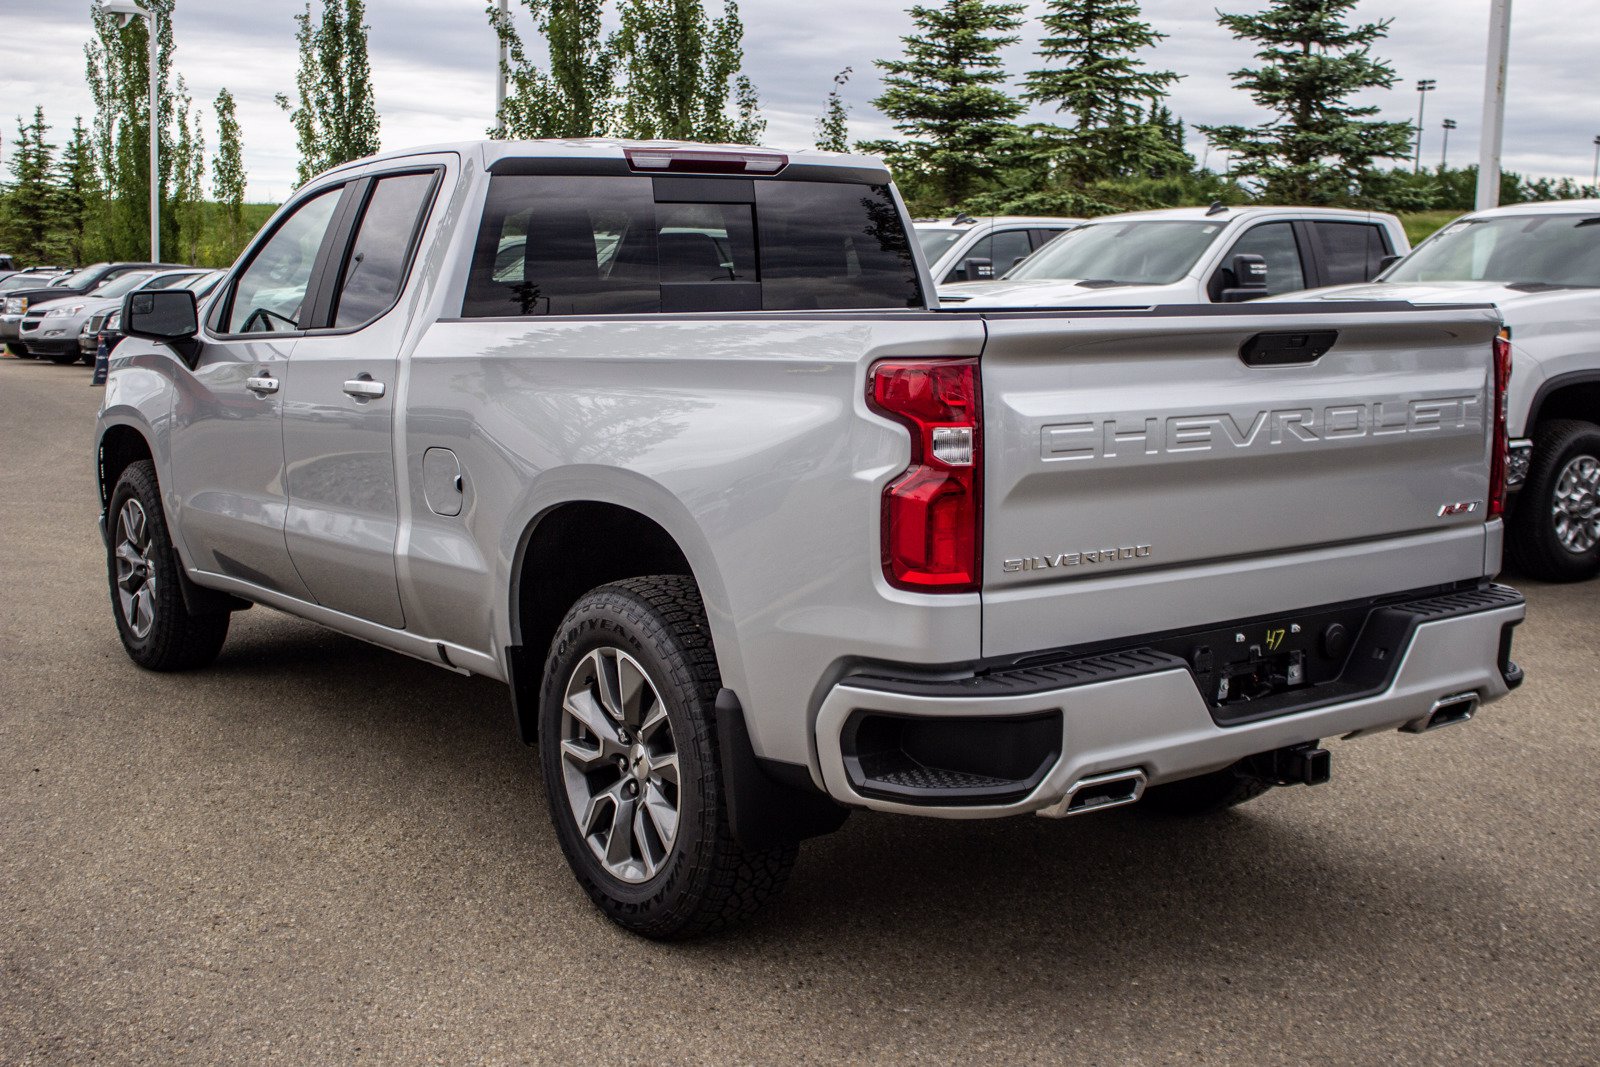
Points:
(1195, 255)
(964, 248)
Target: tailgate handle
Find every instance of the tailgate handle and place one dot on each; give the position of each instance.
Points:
(1287, 348)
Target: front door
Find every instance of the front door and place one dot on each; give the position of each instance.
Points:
(338, 411)
(228, 463)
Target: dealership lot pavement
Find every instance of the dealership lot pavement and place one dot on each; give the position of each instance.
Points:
(317, 851)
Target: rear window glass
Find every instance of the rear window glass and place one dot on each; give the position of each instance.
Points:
(1352, 251)
(556, 245)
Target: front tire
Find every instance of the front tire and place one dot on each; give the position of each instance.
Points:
(156, 627)
(628, 743)
(1555, 528)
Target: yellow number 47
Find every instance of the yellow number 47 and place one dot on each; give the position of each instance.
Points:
(1275, 639)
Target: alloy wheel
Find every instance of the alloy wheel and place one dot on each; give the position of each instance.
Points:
(620, 765)
(1575, 506)
(136, 576)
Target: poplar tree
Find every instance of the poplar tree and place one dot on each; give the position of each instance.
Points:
(30, 202)
(945, 97)
(188, 177)
(1318, 143)
(682, 73)
(334, 116)
(78, 196)
(570, 95)
(833, 128)
(227, 174)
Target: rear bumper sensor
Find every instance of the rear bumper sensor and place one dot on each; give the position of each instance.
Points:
(1032, 736)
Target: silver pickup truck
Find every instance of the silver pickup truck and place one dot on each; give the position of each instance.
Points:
(668, 439)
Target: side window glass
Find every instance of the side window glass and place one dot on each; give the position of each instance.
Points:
(271, 291)
(376, 269)
(1351, 251)
(553, 245)
(1007, 248)
(983, 248)
(1275, 243)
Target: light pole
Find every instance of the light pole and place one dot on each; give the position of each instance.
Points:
(1424, 87)
(1444, 157)
(126, 11)
(500, 84)
(1595, 180)
(1494, 105)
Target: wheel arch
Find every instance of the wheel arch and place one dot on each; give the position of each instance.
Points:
(120, 446)
(1574, 395)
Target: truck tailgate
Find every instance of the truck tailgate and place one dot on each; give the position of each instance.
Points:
(1138, 464)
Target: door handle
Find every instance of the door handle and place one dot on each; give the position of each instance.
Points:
(261, 383)
(364, 388)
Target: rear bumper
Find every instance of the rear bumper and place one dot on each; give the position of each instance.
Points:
(1143, 711)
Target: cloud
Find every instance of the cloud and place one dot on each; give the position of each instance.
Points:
(433, 69)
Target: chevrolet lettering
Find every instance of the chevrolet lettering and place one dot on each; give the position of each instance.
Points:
(675, 441)
(1125, 436)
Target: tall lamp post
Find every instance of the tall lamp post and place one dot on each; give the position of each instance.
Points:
(500, 84)
(1595, 180)
(1424, 87)
(126, 11)
(1494, 106)
(1444, 157)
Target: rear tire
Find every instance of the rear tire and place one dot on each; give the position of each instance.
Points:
(628, 742)
(155, 625)
(1206, 794)
(1554, 533)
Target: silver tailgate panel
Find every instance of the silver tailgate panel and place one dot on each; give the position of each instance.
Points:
(1140, 477)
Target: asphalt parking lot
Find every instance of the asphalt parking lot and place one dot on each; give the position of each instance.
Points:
(316, 851)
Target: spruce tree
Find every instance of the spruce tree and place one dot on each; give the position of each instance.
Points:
(30, 202)
(571, 96)
(833, 128)
(1318, 144)
(334, 116)
(682, 73)
(227, 176)
(78, 196)
(945, 97)
(1094, 76)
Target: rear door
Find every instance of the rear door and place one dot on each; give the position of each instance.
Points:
(1130, 453)
(1348, 252)
(338, 406)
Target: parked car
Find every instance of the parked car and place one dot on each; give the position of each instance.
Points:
(30, 278)
(1195, 256)
(103, 332)
(757, 536)
(78, 283)
(8, 264)
(51, 329)
(964, 248)
(1540, 265)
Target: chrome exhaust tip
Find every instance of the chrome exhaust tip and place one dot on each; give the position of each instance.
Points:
(1446, 711)
(1097, 793)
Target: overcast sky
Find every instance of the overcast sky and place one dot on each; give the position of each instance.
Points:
(433, 67)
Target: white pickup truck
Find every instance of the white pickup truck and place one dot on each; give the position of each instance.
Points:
(669, 439)
(1193, 255)
(1540, 265)
(964, 247)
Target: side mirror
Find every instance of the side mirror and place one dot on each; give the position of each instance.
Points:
(978, 269)
(1386, 262)
(169, 316)
(1249, 279)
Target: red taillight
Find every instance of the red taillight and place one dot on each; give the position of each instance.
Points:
(932, 513)
(1502, 441)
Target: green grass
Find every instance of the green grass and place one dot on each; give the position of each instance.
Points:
(1423, 223)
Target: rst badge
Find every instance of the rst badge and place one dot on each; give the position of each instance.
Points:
(1461, 507)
